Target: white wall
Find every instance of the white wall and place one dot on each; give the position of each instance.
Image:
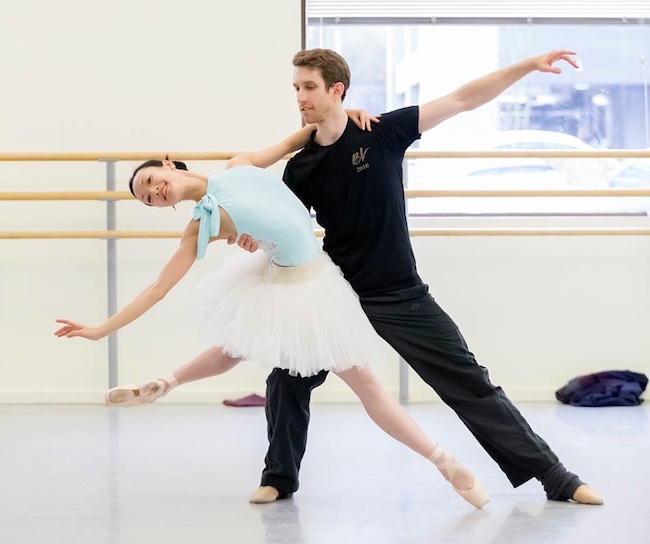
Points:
(537, 311)
(121, 76)
(137, 76)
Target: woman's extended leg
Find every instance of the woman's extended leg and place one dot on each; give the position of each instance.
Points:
(211, 362)
(388, 414)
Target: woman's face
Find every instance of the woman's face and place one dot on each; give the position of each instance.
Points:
(158, 186)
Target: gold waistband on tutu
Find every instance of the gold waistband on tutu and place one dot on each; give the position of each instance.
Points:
(293, 274)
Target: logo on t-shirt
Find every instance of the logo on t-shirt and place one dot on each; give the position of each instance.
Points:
(359, 159)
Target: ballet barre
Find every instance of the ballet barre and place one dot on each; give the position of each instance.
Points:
(408, 193)
(117, 156)
(446, 231)
(16, 196)
(532, 154)
(226, 155)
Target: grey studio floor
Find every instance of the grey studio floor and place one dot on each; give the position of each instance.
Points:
(170, 473)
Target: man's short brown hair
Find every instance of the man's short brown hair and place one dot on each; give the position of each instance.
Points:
(333, 67)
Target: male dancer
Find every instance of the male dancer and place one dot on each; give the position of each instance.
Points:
(353, 181)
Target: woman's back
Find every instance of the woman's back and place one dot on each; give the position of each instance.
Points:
(262, 206)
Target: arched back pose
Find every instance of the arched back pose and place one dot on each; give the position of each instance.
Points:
(288, 307)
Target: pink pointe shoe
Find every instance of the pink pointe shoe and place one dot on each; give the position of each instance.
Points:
(143, 393)
(450, 468)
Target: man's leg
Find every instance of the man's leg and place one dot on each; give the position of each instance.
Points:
(287, 416)
(430, 342)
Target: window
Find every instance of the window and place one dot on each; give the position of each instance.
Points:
(406, 55)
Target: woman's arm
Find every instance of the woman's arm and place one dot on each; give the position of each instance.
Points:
(171, 274)
(270, 155)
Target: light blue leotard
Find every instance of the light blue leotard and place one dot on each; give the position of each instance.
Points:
(261, 205)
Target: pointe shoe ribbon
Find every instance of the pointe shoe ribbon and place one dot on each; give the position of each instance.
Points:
(447, 465)
(136, 394)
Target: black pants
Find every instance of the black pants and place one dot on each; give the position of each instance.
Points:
(430, 342)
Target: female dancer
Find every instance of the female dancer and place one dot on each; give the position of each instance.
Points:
(287, 307)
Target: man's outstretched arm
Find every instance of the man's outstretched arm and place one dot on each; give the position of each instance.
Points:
(482, 90)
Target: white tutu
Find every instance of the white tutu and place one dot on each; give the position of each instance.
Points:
(304, 319)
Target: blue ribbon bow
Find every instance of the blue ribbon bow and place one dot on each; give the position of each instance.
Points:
(206, 211)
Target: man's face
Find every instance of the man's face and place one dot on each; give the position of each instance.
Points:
(314, 100)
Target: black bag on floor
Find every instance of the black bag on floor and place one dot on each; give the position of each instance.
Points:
(608, 388)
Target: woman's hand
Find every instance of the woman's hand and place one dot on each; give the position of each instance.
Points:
(245, 241)
(363, 119)
(72, 329)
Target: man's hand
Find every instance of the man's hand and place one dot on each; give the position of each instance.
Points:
(246, 242)
(544, 63)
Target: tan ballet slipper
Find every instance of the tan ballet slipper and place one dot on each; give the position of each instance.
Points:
(264, 495)
(586, 495)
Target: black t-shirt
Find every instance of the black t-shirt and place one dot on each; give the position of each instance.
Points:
(355, 187)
